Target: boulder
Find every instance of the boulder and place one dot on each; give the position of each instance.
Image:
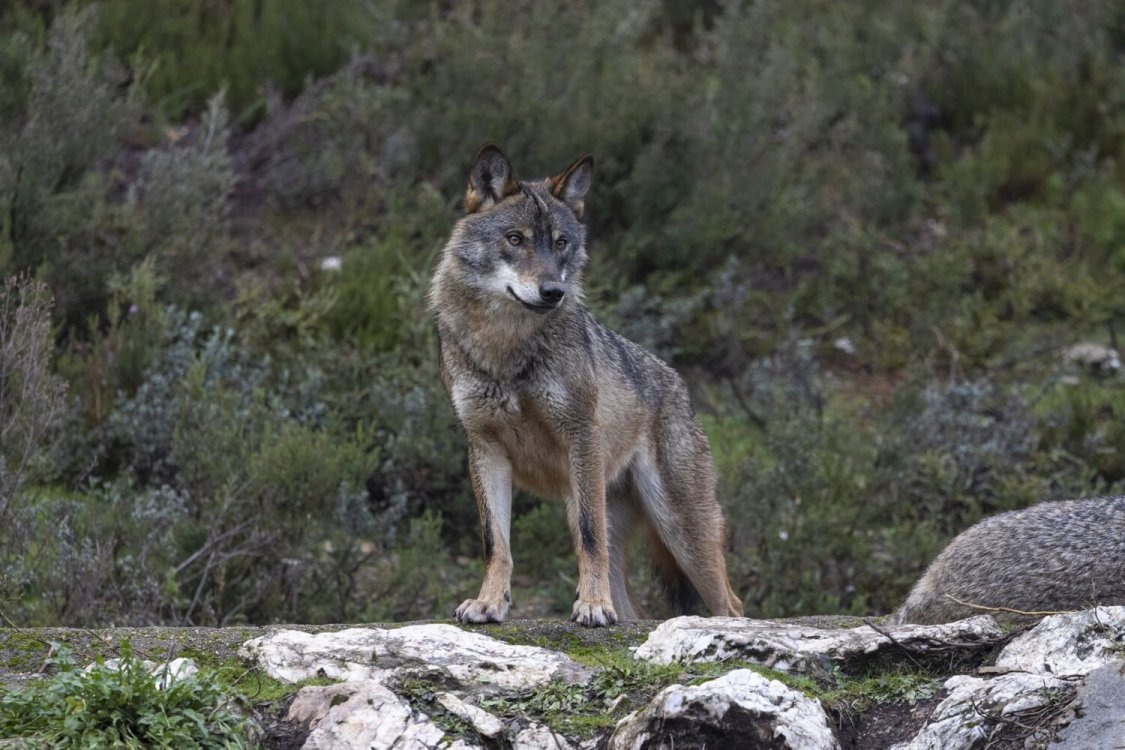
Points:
(447, 652)
(741, 709)
(798, 648)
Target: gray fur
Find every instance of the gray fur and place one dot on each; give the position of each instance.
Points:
(554, 402)
(1054, 556)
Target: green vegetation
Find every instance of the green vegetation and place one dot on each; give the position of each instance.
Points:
(119, 704)
(865, 232)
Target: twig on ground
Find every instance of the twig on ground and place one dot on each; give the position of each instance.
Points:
(1042, 613)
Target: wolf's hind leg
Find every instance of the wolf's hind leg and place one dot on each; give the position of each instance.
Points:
(622, 515)
(678, 496)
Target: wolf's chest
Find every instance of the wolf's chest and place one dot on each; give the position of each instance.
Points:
(526, 423)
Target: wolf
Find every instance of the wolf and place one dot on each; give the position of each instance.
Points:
(1054, 556)
(553, 402)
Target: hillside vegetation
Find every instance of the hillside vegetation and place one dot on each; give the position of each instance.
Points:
(865, 233)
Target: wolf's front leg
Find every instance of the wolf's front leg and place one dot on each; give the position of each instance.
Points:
(593, 606)
(491, 474)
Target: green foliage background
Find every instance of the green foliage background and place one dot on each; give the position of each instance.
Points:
(864, 232)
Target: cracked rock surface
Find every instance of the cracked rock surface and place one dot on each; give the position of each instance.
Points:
(364, 716)
(979, 711)
(464, 657)
(801, 648)
(1068, 644)
(741, 704)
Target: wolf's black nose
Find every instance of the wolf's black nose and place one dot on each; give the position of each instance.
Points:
(551, 291)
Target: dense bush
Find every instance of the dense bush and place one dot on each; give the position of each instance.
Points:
(863, 231)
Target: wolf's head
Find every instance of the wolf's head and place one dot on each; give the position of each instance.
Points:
(521, 242)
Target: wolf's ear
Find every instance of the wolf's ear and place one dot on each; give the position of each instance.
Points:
(490, 180)
(572, 185)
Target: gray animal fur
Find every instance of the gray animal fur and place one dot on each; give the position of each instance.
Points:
(554, 402)
(1054, 556)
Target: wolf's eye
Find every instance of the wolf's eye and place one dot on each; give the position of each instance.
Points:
(560, 243)
(514, 238)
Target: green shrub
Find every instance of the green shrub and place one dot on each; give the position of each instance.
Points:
(56, 214)
(178, 205)
(106, 553)
(244, 46)
(120, 705)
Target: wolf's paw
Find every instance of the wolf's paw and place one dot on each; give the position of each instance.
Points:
(593, 614)
(479, 610)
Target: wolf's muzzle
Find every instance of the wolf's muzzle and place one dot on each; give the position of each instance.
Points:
(545, 306)
(551, 292)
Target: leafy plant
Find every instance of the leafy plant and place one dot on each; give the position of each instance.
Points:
(120, 704)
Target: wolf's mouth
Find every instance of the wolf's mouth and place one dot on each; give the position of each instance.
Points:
(538, 308)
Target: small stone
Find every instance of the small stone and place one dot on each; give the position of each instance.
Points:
(485, 723)
(173, 672)
(539, 737)
(165, 674)
(1097, 359)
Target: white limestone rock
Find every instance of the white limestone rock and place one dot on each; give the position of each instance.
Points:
(791, 647)
(378, 654)
(975, 708)
(165, 674)
(1074, 643)
(739, 704)
(365, 715)
(1097, 359)
(539, 737)
(483, 722)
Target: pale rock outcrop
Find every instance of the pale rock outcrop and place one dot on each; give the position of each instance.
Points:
(976, 709)
(742, 703)
(1045, 665)
(1030, 692)
(799, 648)
(1068, 644)
(463, 657)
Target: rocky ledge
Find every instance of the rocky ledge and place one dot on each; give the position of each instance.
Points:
(689, 682)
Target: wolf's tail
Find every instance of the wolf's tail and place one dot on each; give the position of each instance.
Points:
(674, 584)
